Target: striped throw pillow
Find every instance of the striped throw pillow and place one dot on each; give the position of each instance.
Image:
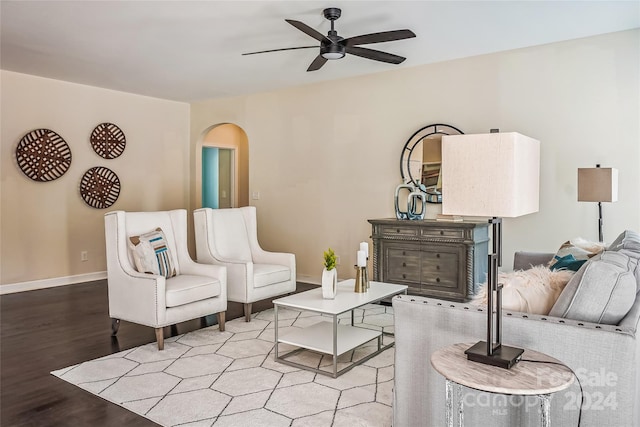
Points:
(151, 254)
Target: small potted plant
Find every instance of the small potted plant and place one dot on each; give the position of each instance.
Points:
(329, 275)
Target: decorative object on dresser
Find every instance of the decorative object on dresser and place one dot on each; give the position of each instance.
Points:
(439, 259)
(495, 175)
(421, 160)
(100, 187)
(598, 185)
(43, 155)
(416, 200)
(108, 140)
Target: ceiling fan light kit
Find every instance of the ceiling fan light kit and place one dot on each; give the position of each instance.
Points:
(332, 46)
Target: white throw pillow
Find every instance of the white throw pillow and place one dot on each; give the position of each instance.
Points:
(151, 254)
(529, 291)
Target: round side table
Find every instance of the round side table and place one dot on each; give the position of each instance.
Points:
(523, 379)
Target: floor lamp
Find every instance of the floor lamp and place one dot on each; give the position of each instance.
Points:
(491, 175)
(598, 185)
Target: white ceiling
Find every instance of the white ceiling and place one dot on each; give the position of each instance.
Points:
(190, 50)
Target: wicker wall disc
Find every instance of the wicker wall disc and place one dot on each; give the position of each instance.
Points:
(108, 140)
(43, 155)
(100, 187)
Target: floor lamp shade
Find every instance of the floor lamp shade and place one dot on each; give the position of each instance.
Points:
(597, 184)
(493, 174)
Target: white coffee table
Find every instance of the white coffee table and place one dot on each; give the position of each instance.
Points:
(330, 337)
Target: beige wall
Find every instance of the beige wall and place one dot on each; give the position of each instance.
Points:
(325, 157)
(45, 226)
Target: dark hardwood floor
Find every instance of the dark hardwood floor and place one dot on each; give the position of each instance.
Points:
(49, 329)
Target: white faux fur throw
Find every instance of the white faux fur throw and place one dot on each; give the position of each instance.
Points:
(529, 291)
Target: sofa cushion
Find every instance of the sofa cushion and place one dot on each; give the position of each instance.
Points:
(151, 254)
(529, 291)
(602, 291)
(269, 274)
(186, 288)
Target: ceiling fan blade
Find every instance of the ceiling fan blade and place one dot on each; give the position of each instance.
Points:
(317, 63)
(308, 30)
(386, 36)
(376, 55)
(284, 48)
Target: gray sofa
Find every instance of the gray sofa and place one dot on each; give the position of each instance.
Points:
(605, 357)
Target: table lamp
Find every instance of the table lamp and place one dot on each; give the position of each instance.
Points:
(491, 175)
(598, 185)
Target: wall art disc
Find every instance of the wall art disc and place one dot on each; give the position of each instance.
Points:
(108, 140)
(100, 187)
(43, 155)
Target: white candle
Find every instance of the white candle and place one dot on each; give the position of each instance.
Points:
(362, 259)
(364, 246)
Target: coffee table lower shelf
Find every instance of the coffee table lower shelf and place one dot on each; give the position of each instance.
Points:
(321, 337)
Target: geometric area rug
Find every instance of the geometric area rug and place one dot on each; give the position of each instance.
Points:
(208, 378)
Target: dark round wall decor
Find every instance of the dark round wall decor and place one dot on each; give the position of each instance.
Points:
(100, 187)
(43, 155)
(108, 140)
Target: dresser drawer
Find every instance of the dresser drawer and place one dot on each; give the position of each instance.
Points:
(446, 233)
(400, 231)
(402, 264)
(446, 280)
(440, 262)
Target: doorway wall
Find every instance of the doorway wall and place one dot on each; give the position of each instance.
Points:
(232, 141)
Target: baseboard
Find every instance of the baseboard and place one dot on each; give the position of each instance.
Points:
(51, 283)
(312, 280)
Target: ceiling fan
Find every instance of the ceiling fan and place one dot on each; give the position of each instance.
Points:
(332, 46)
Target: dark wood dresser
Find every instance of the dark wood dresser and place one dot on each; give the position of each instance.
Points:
(434, 258)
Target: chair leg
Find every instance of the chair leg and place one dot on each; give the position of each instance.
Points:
(247, 312)
(221, 318)
(160, 338)
(115, 325)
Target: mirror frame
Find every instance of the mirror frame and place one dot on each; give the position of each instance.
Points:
(412, 142)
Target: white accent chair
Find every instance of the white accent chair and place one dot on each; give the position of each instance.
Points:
(229, 237)
(198, 289)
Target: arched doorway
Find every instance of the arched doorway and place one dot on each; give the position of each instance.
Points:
(222, 167)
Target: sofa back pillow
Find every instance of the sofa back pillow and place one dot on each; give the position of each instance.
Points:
(528, 291)
(628, 240)
(602, 291)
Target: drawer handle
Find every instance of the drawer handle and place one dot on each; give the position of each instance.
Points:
(404, 276)
(437, 267)
(397, 230)
(441, 232)
(438, 279)
(437, 255)
(404, 264)
(404, 253)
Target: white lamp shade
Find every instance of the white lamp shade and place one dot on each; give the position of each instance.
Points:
(494, 174)
(597, 185)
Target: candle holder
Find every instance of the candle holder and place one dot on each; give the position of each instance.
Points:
(366, 274)
(361, 284)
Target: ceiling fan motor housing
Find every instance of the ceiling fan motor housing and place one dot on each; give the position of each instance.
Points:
(333, 50)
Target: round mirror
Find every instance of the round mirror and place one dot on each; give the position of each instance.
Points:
(422, 157)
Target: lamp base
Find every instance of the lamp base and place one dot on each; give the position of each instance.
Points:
(502, 357)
